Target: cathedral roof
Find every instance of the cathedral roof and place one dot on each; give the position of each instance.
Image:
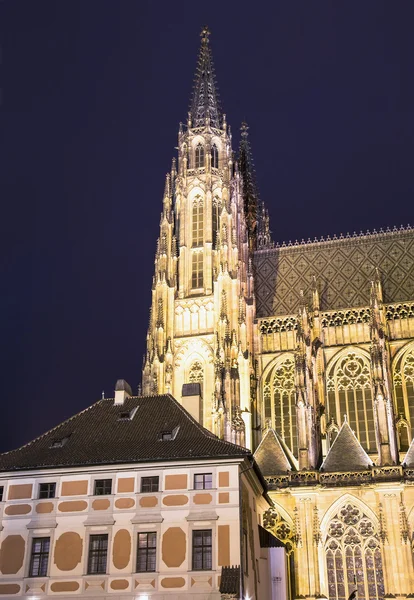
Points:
(205, 98)
(131, 432)
(344, 268)
(273, 456)
(346, 453)
(409, 457)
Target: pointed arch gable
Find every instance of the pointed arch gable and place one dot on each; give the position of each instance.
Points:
(343, 352)
(276, 362)
(337, 505)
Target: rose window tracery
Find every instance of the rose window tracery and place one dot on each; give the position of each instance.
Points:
(196, 374)
(353, 556)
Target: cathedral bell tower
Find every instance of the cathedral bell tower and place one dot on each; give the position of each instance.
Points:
(200, 335)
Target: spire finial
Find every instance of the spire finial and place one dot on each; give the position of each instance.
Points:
(205, 33)
(244, 129)
(205, 105)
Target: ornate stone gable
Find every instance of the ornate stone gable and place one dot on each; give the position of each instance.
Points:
(343, 269)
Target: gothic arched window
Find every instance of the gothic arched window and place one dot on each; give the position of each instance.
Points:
(199, 156)
(350, 393)
(280, 401)
(197, 270)
(404, 388)
(198, 222)
(214, 157)
(353, 556)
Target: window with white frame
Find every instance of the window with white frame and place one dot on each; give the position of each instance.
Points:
(39, 558)
(98, 554)
(147, 552)
(202, 550)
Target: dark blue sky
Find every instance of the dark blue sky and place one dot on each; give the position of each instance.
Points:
(91, 97)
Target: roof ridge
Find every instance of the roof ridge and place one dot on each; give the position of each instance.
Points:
(362, 234)
(39, 437)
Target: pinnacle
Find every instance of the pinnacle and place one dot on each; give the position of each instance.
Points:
(205, 103)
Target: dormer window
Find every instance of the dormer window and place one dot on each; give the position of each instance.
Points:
(169, 434)
(127, 415)
(214, 157)
(199, 156)
(59, 442)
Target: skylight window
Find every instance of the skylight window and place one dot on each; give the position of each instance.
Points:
(127, 415)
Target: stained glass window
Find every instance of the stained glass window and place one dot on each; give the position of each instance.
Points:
(353, 556)
(350, 393)
(280, 401)
(404, 395)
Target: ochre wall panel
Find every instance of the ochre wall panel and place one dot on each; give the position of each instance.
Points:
(173, 582)
(64, 586)
(73, 506)
(224, 497)
(176, 500)
(9, 588)
(148, 501)
(126, 484)
(20, 491)
(224, 479)
(223, 536)
(101, 504)
(18, 509)
(174, 544)
(12, 554)
(119, 584)
(75, 488)
(203, 498)
(124, 503)
(121, 552)
(176, 482)
(44, 507)
(68, 551)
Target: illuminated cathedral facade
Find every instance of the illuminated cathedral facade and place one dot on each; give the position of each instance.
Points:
(303, 352)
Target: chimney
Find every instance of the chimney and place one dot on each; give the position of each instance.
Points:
(122, 391)
(191, 400)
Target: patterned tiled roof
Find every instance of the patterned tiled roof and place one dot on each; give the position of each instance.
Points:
(343, 267)
(273, 456)
(99, 436)
(346, 453)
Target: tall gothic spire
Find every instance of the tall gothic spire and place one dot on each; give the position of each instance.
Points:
(205, 99)
(250, 193)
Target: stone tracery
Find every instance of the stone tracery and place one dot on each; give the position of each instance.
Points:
(353, 556)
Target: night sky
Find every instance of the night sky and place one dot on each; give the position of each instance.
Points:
(92, 93)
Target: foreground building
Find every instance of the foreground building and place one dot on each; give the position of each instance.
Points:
(307, 347)
(133, 499)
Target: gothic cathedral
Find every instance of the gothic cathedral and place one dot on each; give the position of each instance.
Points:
(303, 352)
